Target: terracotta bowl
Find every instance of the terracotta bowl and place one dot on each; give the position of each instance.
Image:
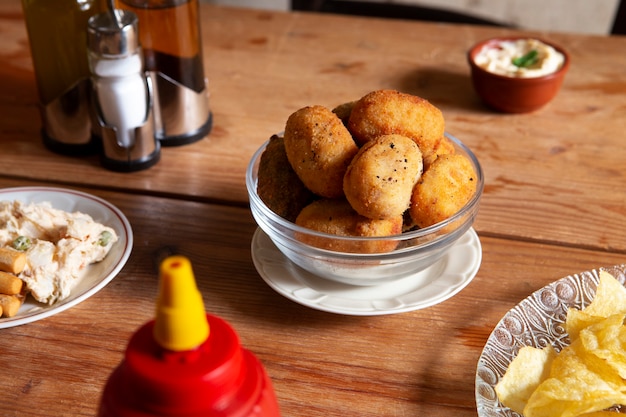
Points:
(513, 94)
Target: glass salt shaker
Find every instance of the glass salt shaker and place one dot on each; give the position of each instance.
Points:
(122, 92)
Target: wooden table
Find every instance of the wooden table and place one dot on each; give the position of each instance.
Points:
(554, 205)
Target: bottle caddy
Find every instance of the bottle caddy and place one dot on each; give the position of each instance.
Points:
(73, 119)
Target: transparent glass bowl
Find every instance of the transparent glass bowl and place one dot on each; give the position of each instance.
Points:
(415, 251)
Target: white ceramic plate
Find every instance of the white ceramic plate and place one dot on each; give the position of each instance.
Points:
(536, 321)
(450, 274)
(97, 275)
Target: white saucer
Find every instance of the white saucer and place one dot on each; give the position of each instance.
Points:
(453, 272)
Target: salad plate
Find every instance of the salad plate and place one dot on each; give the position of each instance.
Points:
(96, 276)
(453, 272)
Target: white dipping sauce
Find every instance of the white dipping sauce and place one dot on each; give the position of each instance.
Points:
(498, 58)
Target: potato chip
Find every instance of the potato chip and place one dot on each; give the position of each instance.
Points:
(577, 320)
(527, 370)
(607, 341)
(610, 297)
(585, 378)
(574, 387)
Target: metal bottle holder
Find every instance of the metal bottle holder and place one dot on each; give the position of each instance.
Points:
(67, 122)
(184, 115)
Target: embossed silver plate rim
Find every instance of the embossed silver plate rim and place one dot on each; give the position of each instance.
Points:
(537, 321)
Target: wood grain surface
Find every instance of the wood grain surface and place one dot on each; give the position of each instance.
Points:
(554, 205)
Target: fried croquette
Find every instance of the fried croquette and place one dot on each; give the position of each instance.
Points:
(379, 181)
(337, 217)
(343, 111)
(319, 148)
(278, 185)
(443, 147)
(385, 112)
(444, 188)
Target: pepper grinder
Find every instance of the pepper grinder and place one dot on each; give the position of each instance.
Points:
(170, 37)
(56, 34)
(122, 96)
(185, 362)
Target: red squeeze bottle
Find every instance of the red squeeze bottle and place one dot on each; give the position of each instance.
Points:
(186, 363)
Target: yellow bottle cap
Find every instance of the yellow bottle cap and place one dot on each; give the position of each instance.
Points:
(181, 323)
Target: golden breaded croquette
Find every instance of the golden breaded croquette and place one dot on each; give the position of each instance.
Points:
(379, 181)
(278, 185)
(337, 217)
(385, 112)
(443, 147)
(343, 111)
(319, 148)
(445, 187)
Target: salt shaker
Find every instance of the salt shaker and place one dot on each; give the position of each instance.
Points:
(185, 362)
(56, 34)
(171, 40)
(122, 92)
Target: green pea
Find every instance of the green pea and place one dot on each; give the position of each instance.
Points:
(21, 243)
(105, 238)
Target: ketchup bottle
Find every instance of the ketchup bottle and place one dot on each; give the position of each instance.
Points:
(185, 362)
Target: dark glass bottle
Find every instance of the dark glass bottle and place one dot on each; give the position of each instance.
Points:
(58, 42)
(169, 33)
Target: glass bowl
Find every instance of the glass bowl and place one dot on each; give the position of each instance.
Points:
(415, 250)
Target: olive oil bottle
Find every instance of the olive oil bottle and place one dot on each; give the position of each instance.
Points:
(57, 32)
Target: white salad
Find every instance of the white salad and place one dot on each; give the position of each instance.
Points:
(59, 246)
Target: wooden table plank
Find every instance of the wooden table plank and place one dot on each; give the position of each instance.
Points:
(554, 205)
